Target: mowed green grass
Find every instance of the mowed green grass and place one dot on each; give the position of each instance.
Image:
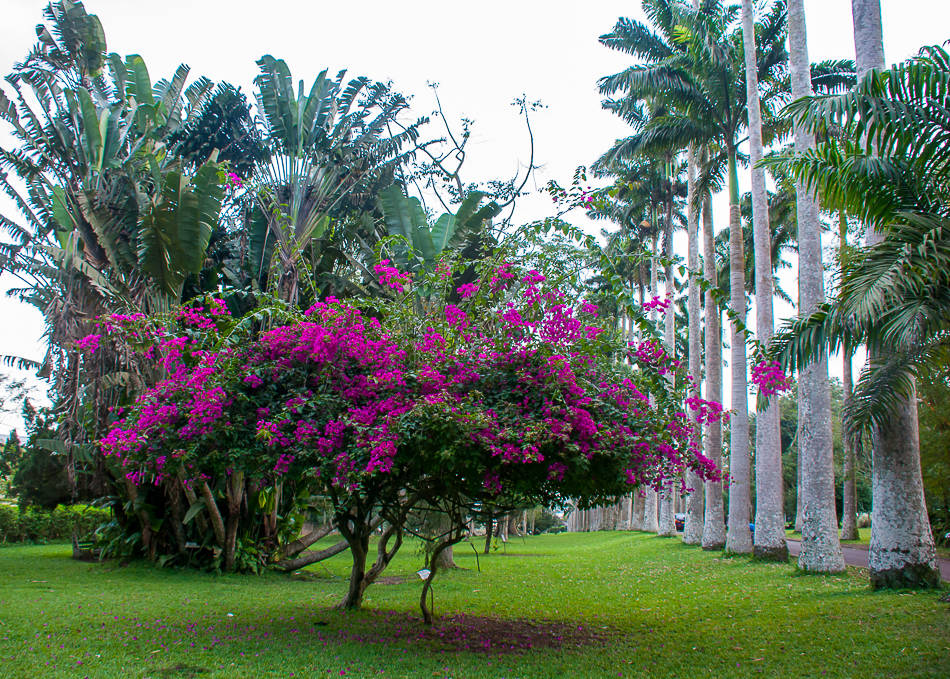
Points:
(623, 605)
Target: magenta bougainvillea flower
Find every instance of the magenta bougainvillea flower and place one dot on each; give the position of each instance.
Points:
(512, 391)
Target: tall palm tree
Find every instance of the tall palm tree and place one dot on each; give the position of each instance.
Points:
(700, 85)
(892, 172)
(821, 550)
(110, 220)
(769, 509)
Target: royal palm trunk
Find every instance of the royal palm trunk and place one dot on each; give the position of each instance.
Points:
(902, 548)
(738, 536)
(693, 526)
(714, 522)
(769, 518)
(821, 550)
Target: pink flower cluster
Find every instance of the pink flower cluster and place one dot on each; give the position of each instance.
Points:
(657, 304)
(346, 399)
(769, 378)
(89, 343)
(390, 277)
(466, 290)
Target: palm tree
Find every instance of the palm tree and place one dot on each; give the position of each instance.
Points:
(700, 87)
(821, 550)
(769, 521)
(110, 220)
(893, 172)
(330, 153)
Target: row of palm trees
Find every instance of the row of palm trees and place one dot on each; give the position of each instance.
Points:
(709, 78)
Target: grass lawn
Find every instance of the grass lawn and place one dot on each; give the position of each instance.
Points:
(570, 605)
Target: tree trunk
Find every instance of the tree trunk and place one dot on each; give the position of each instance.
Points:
(821, 550)
(651, 517)
(714, 522)
(849, 491)
(235, 488)
(693, 526)
(799, 515)
(667, 527)
(445, 558)
(216, 521)
(902, 548)
(359, 548)
(638, 507)
(489, 525)
(651, 522)
(305, 541)
(148, 543)
(738, 537)
(308, 558)
(173, 491)
(769, 513)
(666, 521)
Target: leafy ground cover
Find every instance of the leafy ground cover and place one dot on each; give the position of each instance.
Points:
(571, 605)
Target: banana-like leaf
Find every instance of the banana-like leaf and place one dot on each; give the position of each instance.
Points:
(276, 94)
(198, 214)
(193, 511)
(20, 363)
(404, 217)
(175, 231)
(139, 84)
(92, 137)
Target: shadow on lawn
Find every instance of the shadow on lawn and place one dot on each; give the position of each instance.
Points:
(474, 634)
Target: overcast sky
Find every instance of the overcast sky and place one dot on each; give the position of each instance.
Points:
(483, 55)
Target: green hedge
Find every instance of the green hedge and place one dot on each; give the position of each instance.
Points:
(40, 525)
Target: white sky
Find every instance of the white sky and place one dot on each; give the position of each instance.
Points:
(482, 54)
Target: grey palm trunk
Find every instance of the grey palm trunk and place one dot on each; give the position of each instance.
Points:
(738, 536)
(714, 521)
(769, 540)
(693, 525)
(651, 514)
(821, 549)
(902, 547)
(667, 524)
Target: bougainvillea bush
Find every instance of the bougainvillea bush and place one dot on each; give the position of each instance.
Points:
(511, 392)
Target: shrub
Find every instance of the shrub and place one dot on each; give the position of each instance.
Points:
(41, 525)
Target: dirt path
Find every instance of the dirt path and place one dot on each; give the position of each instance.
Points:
(858, 556)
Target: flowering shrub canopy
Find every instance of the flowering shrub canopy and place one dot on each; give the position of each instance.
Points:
(514, 392)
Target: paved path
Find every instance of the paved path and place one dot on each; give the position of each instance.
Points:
(858, 556)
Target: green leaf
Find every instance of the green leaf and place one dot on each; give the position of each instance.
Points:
(140, 86)
(193, 511)
(92, 137)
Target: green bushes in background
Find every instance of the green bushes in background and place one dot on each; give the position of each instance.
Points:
(43, 525)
